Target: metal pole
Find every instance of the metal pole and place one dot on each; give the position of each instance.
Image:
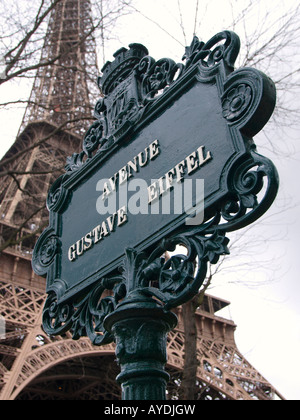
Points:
(140, 327)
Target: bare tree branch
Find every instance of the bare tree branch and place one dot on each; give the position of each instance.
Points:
(20, 47)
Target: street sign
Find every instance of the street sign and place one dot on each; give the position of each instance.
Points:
(169, 160)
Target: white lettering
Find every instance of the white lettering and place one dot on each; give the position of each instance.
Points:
(88, 242)
(113, 409)
(202, 159)
(100, 232)
(154, 149)
(152, 192)
(169, 185)
(191, 162)
(169, 178)
(145, 161)
(180, 170)
(132, 166)
(123, 175)
(79, 247)
(151, 410)
(72, 253)
(113, 182)
(122, 216)
(111, 221)
(103, 230)
(96, 233)
(106, 190)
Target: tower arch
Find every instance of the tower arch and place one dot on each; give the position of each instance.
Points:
(52, 370)
(56, 359)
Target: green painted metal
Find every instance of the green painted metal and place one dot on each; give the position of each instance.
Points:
(140, 327)
(107, 277)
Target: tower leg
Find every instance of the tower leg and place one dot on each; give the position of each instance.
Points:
(140, 329)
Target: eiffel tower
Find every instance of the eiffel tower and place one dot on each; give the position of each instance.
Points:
(34, 366)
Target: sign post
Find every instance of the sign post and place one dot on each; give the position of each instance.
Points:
(170, 160)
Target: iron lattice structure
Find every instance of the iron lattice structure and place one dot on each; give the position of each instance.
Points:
(59, 112)
(63, 92)
(32, 365)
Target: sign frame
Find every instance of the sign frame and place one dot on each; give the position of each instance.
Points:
(139, 92)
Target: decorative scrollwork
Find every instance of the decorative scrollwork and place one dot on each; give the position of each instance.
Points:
(46, 249)
(75, 162)
(227, 47)
(90, 313)
(247, 180)
(57, 319)
(92, 138)
(182, 276)
(244, 100)
(172, 282)
(57, 195)
(236, 102)
(84, 317)
(137, 88)
(159, 76)
(134, 82)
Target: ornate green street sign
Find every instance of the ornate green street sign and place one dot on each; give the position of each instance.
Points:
(169, 161)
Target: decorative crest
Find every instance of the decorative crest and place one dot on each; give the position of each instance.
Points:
(117, 71)
(134, 83)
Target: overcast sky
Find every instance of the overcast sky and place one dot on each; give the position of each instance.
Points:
(265, 297)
